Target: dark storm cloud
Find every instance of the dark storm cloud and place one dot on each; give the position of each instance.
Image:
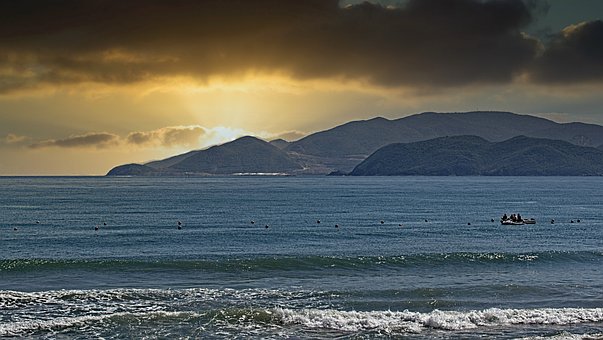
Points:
(575, 55)
(424, 43)
(99, 140)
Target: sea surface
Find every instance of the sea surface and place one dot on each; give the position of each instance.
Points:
(301, 257)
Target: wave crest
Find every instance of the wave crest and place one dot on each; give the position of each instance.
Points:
(300, 262)
(414, 322)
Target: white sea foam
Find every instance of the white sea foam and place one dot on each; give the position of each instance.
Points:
(407, 321)
(22, 328)
(15, 299)
(27, 313)
(567, 336)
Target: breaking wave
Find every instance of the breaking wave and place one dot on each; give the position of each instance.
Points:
(260, 312)
(414, 322)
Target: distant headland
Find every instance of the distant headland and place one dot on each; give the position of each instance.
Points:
(469, 143)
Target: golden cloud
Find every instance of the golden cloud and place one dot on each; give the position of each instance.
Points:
(168, 136)
(94, 139)
(12, 138)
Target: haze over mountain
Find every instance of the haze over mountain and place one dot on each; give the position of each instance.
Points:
(343, 147)
(475, 156)
(280, 143)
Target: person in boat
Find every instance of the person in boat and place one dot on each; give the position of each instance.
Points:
(513, 217)
(519, 218)
(505, 217)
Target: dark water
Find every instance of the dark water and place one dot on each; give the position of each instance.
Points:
(447, 272)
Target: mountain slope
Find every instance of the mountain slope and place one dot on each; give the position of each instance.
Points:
(279, 143)
(353, 138)
(168, 162)
(244, 155)
(131, 170)
(471, 155)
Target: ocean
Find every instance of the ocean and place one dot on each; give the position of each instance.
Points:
(300, 257)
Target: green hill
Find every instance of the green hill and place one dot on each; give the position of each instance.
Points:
(131, 170)
(473, 156)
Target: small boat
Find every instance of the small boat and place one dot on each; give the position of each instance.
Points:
(511, 222)
(516, 220)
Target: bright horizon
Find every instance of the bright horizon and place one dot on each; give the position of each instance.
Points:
(83, 89)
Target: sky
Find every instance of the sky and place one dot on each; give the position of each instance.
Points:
(88, 85)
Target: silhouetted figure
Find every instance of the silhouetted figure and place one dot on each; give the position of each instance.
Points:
(505, 217)
(518, 218)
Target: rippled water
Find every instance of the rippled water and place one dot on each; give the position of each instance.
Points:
(437, 267)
